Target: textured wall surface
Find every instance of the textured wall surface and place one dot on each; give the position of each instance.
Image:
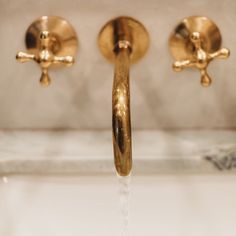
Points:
(80, 96)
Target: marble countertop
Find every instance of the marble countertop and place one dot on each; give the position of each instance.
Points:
(90, 152)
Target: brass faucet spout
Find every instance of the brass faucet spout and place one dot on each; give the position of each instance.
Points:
(123, 41)
(121, 111)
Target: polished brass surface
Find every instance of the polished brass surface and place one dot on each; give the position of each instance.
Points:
(121, 112)
(195, 42)
(51, 42)
(122, 41)
(127, 29)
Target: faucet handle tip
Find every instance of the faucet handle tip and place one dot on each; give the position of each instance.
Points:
(24, 57)
(45, 80)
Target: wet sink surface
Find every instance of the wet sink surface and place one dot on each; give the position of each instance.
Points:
(91, 206)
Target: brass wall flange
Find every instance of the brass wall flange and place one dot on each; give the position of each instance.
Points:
(123, 29)
(51, 42)
(195, 42)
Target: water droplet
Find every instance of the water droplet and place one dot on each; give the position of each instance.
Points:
(4, 179)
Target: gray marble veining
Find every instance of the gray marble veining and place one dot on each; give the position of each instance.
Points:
(90, 152)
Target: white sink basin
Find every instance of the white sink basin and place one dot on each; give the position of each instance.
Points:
(90, 206)
(55, 184)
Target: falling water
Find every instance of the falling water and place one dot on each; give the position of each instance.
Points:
(124, 193)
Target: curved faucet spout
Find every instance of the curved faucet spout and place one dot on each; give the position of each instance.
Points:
(123, 41)
(121, 110)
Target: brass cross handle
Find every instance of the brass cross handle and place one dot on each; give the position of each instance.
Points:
(201, 59)
(45, 58)
(46, 42)
(195, 43)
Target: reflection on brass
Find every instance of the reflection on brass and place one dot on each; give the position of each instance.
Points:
(195, 42)
(122, 41)
(50, 41)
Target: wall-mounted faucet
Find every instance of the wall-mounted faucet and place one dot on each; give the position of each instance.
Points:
(195, 42)
(122, 41)
(51, 42)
